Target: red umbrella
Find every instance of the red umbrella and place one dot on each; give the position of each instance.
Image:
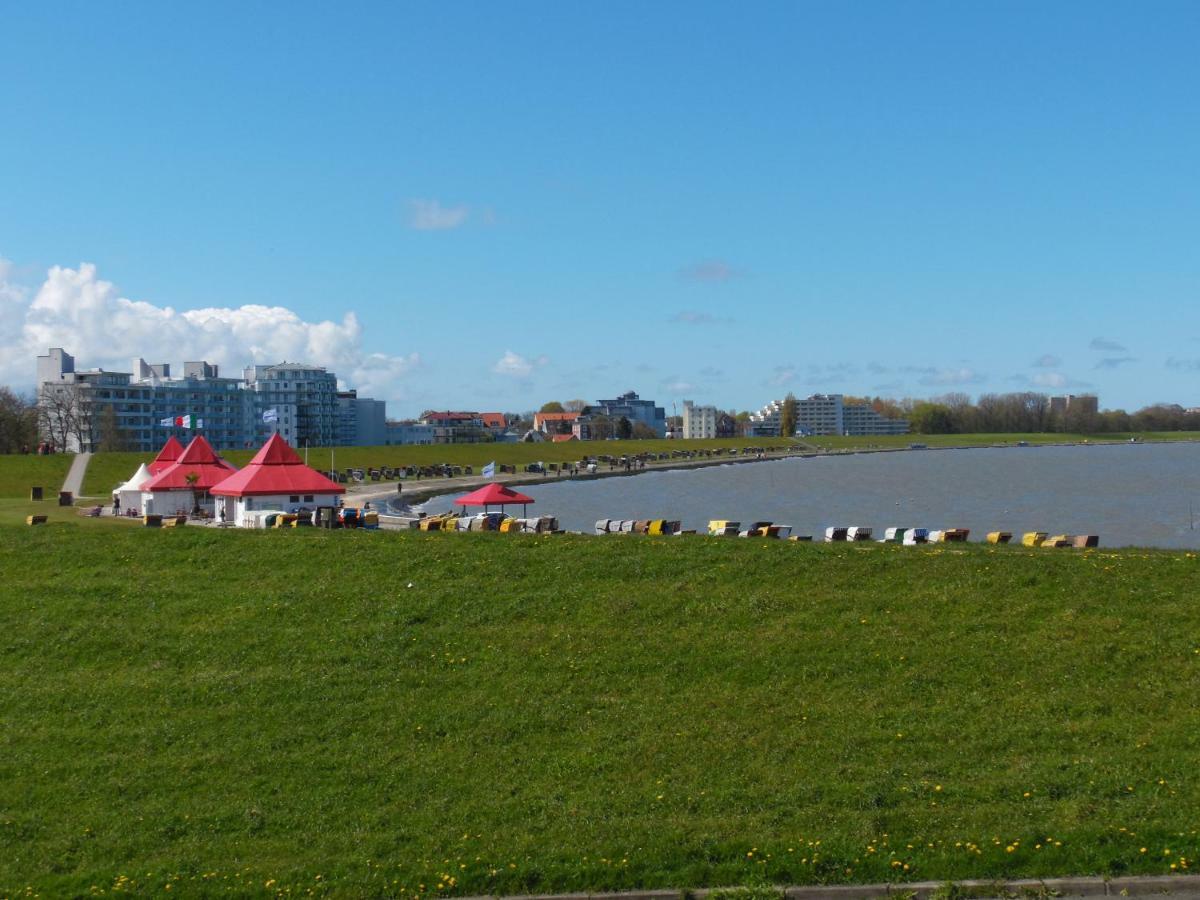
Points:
(493, 494)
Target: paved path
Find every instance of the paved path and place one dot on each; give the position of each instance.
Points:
(74, 481)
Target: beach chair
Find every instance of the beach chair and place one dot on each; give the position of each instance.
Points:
(1033, 538)
(999, 537)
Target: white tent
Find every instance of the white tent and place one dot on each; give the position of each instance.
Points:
(131, 491)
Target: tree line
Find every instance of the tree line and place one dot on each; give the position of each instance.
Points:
(1025, 412)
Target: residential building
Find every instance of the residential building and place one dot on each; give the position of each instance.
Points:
(450, 427)
(409, 433)
(74, 404)
(1076, 404)
(699, 421)
(599, 419)
(304, 399)
(554, 423)
(826, 414)
(361, 422)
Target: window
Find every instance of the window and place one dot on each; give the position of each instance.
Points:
(308, 498)
(295, 498)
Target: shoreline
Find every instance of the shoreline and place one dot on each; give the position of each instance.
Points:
(418, 492)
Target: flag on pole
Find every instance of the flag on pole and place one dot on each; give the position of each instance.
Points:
(489, 471)
(168, 422)
(270, 415)
(188, 421)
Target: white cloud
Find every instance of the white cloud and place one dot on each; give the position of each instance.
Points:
(1114, 362)
(515, 365)
(710, 270)
(430, 215)
(945, 377)
(86, 315)
(782, 375)
(1050, 380)
(676, 385)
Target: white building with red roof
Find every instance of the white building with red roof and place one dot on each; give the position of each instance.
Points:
(186, 483)
(276, 479)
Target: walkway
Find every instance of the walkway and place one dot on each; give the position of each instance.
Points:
(74, 481)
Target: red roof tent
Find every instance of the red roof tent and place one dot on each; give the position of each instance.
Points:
(493, 495)
(199, 457)
(276, 469)
(166, 456)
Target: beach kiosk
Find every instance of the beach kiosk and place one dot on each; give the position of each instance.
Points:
(167, 456)
(276, 479)
(185, 484)
(130, 493)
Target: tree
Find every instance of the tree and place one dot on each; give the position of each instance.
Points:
(643, 432)
(552, 407)
(624, 428)
(601, 428)
(787, 417)
(191, 478)
(59, 415)
(930, 418)
(574, 406)
(112, 436)
(18, 423)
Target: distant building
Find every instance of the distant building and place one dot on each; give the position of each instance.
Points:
(727, 426)
(600, 418)
(300, 401)
(699, 421)
(361, 422)
(826, 414)
(1076, 404)
(554, 423)
(408, 433)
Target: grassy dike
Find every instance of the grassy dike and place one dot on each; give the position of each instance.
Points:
(356, 714)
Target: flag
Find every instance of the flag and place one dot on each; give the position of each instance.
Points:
(169, 421)
(270, 415)
(188, 421)
(489, 471)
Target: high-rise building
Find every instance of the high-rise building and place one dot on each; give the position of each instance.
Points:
(826, 414)
(699, 421)
(298, 401)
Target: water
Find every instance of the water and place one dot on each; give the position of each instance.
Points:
(1130, 494)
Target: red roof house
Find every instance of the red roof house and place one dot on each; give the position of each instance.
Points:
(276, 470)
(166, 456)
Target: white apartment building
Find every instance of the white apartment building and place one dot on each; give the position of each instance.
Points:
(826, 414)
(73, 404)
(699, 421)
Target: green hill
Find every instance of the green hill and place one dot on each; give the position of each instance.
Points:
(372, 714)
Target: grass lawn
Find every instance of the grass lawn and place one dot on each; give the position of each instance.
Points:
(386, 714)
(20, 472)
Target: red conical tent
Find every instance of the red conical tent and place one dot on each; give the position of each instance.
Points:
(493, 494)
(200, 458)
(276, 469)
(167, 456)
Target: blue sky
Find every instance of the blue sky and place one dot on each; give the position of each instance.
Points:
(494, 205)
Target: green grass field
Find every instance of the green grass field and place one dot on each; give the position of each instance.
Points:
(107, 470)
(20, 472)
(378, 714)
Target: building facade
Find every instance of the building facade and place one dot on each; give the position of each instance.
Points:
(699, 421)
(601, 416)
(826, 414)
(361, 422)
(83, 410)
